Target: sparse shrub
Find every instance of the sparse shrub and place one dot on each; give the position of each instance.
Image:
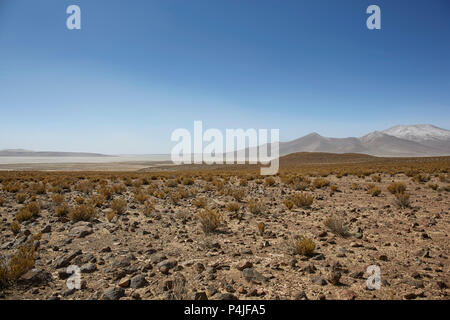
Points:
(302, 246)
(337, 226)
(354, 186)
(21, 197)
(62, 210)
(200, 202)
(119, 206)
(84, 186)
(12, 187)
(187, 181)
(269, 181)
(376, 178)
(38, 188)
(255, 207)
(117, 188)
(82, 213)
(127, 181)
(233, 207)
(411, 173)
(107, 192)
(261, 228)
(22, 261)
(2, 201)
(79, 200)
(96, 200)
(149, 208)
(140, 197)
(238, 194)
(175, 197)
(421, 178)
(302, 200)
(397, 187)
(194, 192)
(219, 184)
(58, 199)
(172, 183)
(110, 215)
(334, 188)
(320, 183)
(210, 220)
(301, 186)
(24, 214)
(137, 183)
(34, 208)
(433, 186)
(402, 199)
(373, 190)
(243, 182)
(15, 227)
(288, 203)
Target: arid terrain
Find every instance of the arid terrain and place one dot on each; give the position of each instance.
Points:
(225, 232)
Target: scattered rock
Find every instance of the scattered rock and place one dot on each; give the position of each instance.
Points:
(138, 281)
(113, 293)
(252, 275)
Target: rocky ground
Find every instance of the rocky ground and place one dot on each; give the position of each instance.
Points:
(165, 254)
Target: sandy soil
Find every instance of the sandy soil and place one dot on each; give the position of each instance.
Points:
(163, 253)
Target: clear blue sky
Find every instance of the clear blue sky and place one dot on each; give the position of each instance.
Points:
(139, 69)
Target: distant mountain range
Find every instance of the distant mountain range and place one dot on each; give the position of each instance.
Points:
(420, 140)
(29, 153)
(400, 141)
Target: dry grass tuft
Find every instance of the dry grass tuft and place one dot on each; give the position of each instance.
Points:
(302, 200)
(233, 207)
(337, 226)
(255, 207)
(320, 183)
(149, 208)
(238, 194)
(62, 210)
(140, 197)
(397, 187)
(269, 182)
(210, 220)
(21, 197)
(289, 203)
(261, 228)
(15, 227)
(301, 245)
(119, 206)
(58, 199)
(82, 213)
(200, 202)
(402, 200)
(21, 262)
(433, 186)
(373, 190)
